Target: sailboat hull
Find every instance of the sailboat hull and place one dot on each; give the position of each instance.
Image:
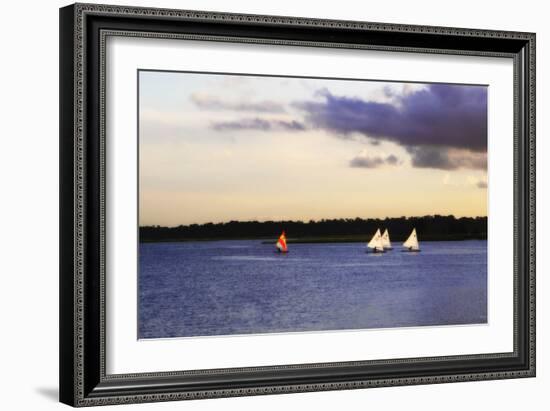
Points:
(374, 251)
(410, 251)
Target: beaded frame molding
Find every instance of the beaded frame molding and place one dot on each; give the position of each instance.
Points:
(84, 29)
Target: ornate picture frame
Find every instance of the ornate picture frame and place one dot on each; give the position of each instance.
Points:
(84, 30)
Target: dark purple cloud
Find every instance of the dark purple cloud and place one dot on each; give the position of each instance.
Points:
(443, 126)
(364, 161)
(441, 115)
(208, 102)
(258, 124)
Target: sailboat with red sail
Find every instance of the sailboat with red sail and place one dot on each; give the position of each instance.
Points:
(281, 244)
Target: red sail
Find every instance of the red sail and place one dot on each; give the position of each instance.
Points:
(281, 243)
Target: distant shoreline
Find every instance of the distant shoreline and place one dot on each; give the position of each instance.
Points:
(429, 228)
(314, 240)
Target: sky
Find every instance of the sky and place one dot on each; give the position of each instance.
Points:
(218, 147)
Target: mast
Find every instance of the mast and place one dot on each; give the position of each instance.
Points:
(412, 242)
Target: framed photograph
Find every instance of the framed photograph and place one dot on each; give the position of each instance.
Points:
(261, 204)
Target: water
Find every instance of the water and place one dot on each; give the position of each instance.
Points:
(243, 287)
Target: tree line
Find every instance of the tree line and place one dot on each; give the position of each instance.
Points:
(429, 228)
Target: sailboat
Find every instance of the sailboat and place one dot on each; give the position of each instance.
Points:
(412, 242)
(376, 243)
(386, 243)
(281, 244)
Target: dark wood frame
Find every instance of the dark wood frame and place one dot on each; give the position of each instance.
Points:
(83, 30)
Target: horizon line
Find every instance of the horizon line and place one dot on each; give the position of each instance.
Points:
(311, 220)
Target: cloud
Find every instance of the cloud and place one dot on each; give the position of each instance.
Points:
(209, 102)
(477, 182)
(391, 159)
(440, 115)
(363, 160)
(446, 159)
(430, 123)
(259, 124)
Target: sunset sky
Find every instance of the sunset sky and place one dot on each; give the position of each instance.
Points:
(215, 148)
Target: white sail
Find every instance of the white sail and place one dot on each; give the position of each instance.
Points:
(412, 241)
(386, 243)
(376, 242)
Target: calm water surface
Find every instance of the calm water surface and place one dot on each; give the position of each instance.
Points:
(242, 287)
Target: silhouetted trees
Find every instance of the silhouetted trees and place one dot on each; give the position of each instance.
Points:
(429, 228)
